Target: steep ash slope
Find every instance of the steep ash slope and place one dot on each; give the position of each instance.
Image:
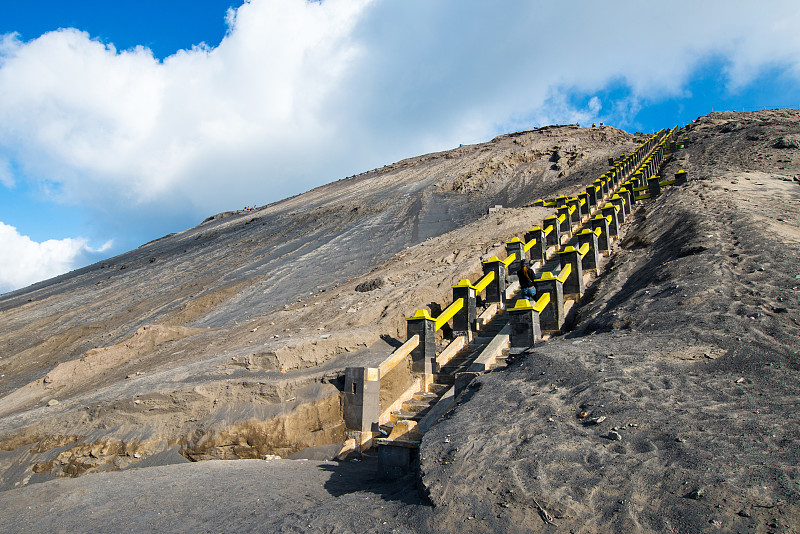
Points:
(181, 342)
(688, 348)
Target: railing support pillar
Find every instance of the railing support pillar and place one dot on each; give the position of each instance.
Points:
(592, 258)
(525, 329)
(573, 285)
(610, 210)
(424, 326)
(552, 317)
(603, 240)
(361, 406)
(554, 237)
(496, 290)
(464, 320)
(618, 201)
(538, 251)
(517, 247)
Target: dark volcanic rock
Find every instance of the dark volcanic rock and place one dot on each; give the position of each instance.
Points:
(370, 285)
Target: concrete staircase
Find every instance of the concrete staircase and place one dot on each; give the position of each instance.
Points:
(425, 407)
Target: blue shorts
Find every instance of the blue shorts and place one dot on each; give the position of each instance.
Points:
(527, 293)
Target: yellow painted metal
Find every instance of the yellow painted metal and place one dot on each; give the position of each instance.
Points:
(493, 259)
(584, 250)
(571, 210)
(449, 312)
(666, 183)
(509, 260)
(598, 231)
(637, 189)
(542, 303)
(548, 229)
(464, 282)
(536, 228)
(549, 204)
(583, 201)
(643, 197)
(539, 202)
(561, 218)
(515, 240)
(484, 282)
(529, 244)
(523, 305)
(562, 277)
(564, 274)
(568, 248)
(420, 314)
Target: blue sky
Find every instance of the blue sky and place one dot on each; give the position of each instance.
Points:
(122, 121)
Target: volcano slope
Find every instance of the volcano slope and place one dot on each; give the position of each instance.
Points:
(685, 352)
(175, 350)
(688, 347)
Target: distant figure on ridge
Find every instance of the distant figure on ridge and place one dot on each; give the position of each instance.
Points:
(526, 277)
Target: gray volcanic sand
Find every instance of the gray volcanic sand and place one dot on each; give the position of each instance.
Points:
(218, 496)
(688, 345)
(669, 406)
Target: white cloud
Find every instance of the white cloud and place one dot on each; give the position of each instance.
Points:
(300, 93)
(25, 261)
(6, 175)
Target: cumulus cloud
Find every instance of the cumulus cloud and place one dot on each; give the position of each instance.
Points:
(25, 261)
(301, 93)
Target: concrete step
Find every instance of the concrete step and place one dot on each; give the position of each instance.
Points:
(425, 396)
(400, 415)
(438, 389)
(452, 369)
(417, 405)
(459, 358)
(447, 380)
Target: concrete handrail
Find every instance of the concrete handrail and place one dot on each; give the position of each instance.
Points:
(542, 303)
(448, 313)
(529, 244)
(564, 274)
(484, 282)
(398, 355)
